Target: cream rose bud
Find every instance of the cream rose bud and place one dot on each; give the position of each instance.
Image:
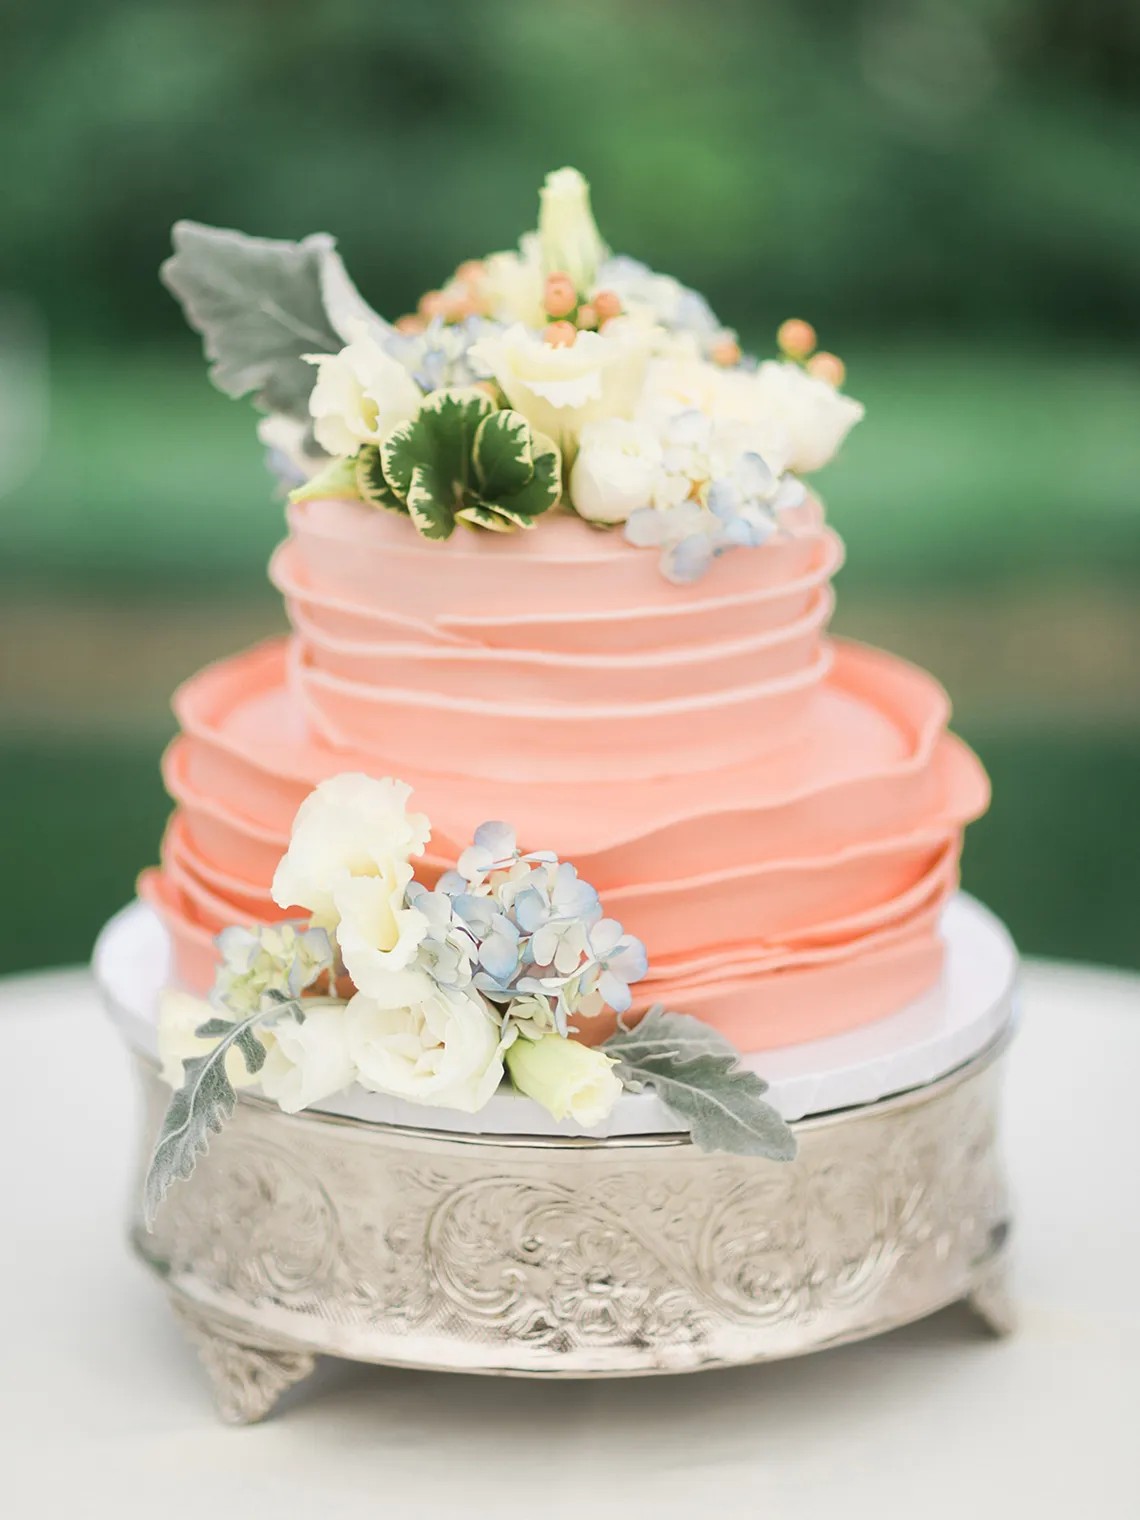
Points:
(446, 1049)
(308, 1059)
(814, 416)
(571, 1081)
(361, 394)
(568, 235)
(616, 469)
(179, 1016)
(351, 825)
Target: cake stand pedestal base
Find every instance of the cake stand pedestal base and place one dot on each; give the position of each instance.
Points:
(309, 1234)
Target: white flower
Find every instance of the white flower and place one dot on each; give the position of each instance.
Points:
(308, 1058)
(511, 284)
(378, 935)
(815, 417)
(361, 394)
(179, 1015)
(738, 421)
(351, 825)
(559, 389)
(445, 1050)
(616, 469)
(569, 1080)
(568, 234)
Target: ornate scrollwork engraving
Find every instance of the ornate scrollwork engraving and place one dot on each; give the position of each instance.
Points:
(432, 1250)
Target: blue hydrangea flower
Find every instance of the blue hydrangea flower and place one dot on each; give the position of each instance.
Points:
(555, 909)
(447, 951)
(277, 958)
(618, 960)
(441, 355)
(740, 510)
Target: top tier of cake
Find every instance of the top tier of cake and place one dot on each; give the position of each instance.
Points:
(776, 814)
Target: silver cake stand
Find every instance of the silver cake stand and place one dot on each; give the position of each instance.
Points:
(558, 1256)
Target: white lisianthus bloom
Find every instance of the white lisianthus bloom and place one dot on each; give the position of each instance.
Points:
(179, 1015)
(379, 935)
(568, 235)
(445, 1049)
(559, 389)
(814, 415)
(361, 394)
(511, 284)
(616, 469)
(570, 1080)
(351, 825)
(308, 1059)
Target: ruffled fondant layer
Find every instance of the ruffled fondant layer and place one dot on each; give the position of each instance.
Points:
(778, 816)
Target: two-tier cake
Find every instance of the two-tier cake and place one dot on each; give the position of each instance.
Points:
(551, 559)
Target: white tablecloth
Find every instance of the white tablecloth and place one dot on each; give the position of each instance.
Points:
(105, 1412)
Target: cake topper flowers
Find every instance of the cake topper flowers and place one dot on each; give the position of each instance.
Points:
(434, 995)
(554, 376)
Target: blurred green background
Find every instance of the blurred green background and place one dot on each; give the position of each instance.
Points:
(947, 190)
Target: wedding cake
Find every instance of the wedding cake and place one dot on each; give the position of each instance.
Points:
(562, 921)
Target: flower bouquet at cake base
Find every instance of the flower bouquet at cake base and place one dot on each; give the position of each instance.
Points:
(434, 995)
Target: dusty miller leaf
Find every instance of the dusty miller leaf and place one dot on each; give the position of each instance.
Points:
(259, 306)
(346, 308)
(202, 1104)
(697, 1075)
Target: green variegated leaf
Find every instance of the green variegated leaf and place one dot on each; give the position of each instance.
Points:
(502, 455)
(258, 305)
(441, 435)
(545, 486)
(202, 1104)
(438, 465)
(507, 517)
(428, 505)
(371, 483)
(697, 1075)
(338, 478)
(490, 518)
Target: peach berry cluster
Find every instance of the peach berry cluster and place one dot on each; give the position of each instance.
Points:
(797, 341)
(567, 316)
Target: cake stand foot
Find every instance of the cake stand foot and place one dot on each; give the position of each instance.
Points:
(991, 1301)
(247, 1377)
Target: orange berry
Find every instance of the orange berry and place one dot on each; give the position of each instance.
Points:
(827, 367)
(432, 304)
(560, 334)
(796, 338)
(726, 352)
(559, 296)
(587, 316)
(470, 272)
(457, 304)
(607, 304)
(410, 323)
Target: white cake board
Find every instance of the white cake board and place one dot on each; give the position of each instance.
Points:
(971, 1005)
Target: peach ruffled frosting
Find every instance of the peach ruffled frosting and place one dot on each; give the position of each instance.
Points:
(776, 814)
